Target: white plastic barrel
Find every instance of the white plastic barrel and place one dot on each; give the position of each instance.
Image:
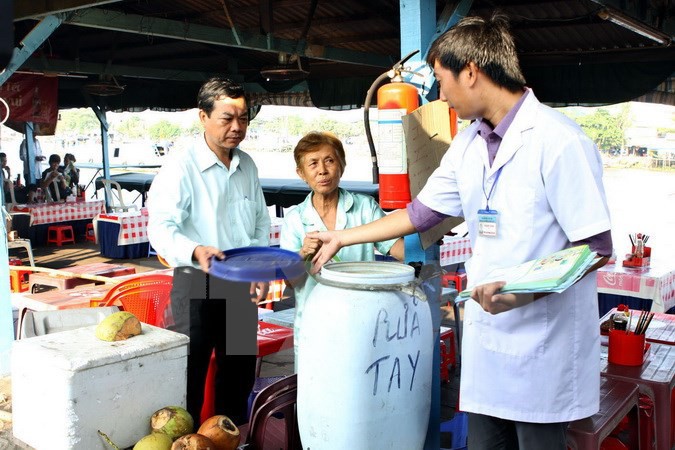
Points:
(365, 360)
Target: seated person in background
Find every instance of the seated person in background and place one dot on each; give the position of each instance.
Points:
(54, 173)
(320, 162)
(71, 172)
(20, 192)
(6, 176)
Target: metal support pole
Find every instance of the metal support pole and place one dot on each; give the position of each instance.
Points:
(430, 257)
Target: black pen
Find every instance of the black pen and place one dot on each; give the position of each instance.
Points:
(649, 320)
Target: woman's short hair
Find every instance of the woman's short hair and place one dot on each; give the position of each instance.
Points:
(315, 139)
(54, 158)
(486, 42)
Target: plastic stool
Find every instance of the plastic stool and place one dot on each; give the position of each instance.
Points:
(459, 427)
(617, 400)
(209, 406)
(89, 233)
(448, 357)
(18, 279)
(458, 279)
(450, 296)
(60, 234)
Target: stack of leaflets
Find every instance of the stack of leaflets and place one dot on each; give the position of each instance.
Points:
(552, 273)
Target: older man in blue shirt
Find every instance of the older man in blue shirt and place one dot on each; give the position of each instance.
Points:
(205, 200)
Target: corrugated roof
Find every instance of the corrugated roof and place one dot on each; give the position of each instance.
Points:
(185, 41)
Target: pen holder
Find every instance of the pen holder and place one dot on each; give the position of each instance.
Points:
(633, 261)
(626, 349)
(647, 251)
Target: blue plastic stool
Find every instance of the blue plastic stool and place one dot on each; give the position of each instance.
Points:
(259, 385)
(459, 427)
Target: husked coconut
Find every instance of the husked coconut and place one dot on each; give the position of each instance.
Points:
(193, 441)
(222, 431)
(173, 421)
(118, 327)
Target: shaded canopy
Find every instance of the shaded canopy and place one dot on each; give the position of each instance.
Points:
(160, 51)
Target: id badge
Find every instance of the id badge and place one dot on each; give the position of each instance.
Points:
(487, 222)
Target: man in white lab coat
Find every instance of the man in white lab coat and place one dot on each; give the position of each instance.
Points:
(529, 183)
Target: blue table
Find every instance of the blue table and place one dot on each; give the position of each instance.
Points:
(108, 233)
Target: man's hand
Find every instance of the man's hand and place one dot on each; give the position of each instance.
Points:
(258, 291)
(489, 298)
(330, 246)
(203, 253)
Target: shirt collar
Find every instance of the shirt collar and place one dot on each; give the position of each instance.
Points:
(485, 128)
(206, 158)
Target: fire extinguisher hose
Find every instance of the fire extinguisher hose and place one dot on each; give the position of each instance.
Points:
(366, 110)
(366, 119)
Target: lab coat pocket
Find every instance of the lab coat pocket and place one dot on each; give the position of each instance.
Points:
(520, 332)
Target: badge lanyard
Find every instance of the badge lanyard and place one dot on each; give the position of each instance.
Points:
(488, 218)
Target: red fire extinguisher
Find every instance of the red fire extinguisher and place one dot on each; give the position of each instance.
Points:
(390, 168)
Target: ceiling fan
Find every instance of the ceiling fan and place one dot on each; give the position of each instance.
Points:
(289, 68)
(106, 86)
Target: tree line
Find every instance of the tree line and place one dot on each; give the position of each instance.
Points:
(604, 128)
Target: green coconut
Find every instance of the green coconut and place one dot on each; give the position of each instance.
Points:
(173, 421)
(118, 326)
(154, 441)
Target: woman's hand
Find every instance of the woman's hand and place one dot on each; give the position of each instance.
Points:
(310, 245)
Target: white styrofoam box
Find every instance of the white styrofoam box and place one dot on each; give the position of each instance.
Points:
(68, 385)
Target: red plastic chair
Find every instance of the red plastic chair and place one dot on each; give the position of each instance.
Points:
(147, 297)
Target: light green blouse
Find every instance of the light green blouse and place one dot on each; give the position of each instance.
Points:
(353, 210)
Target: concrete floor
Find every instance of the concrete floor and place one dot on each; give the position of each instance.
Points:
(281, 363)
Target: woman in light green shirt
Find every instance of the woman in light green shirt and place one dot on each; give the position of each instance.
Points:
(320, 162)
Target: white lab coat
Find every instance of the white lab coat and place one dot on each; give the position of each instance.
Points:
(539, 363)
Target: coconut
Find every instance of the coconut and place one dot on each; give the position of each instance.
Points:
(118, 326)
(222, 431)
(154, 441)
(172, 420)
(193, 442)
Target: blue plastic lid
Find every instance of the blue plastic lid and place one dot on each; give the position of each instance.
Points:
(257, 264)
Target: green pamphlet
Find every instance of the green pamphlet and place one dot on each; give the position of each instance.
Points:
(553, 273)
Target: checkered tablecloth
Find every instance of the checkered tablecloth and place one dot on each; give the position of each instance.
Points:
(133, 226)
(275, 231)
(46, 213)
(655, 283)
(455, 250)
